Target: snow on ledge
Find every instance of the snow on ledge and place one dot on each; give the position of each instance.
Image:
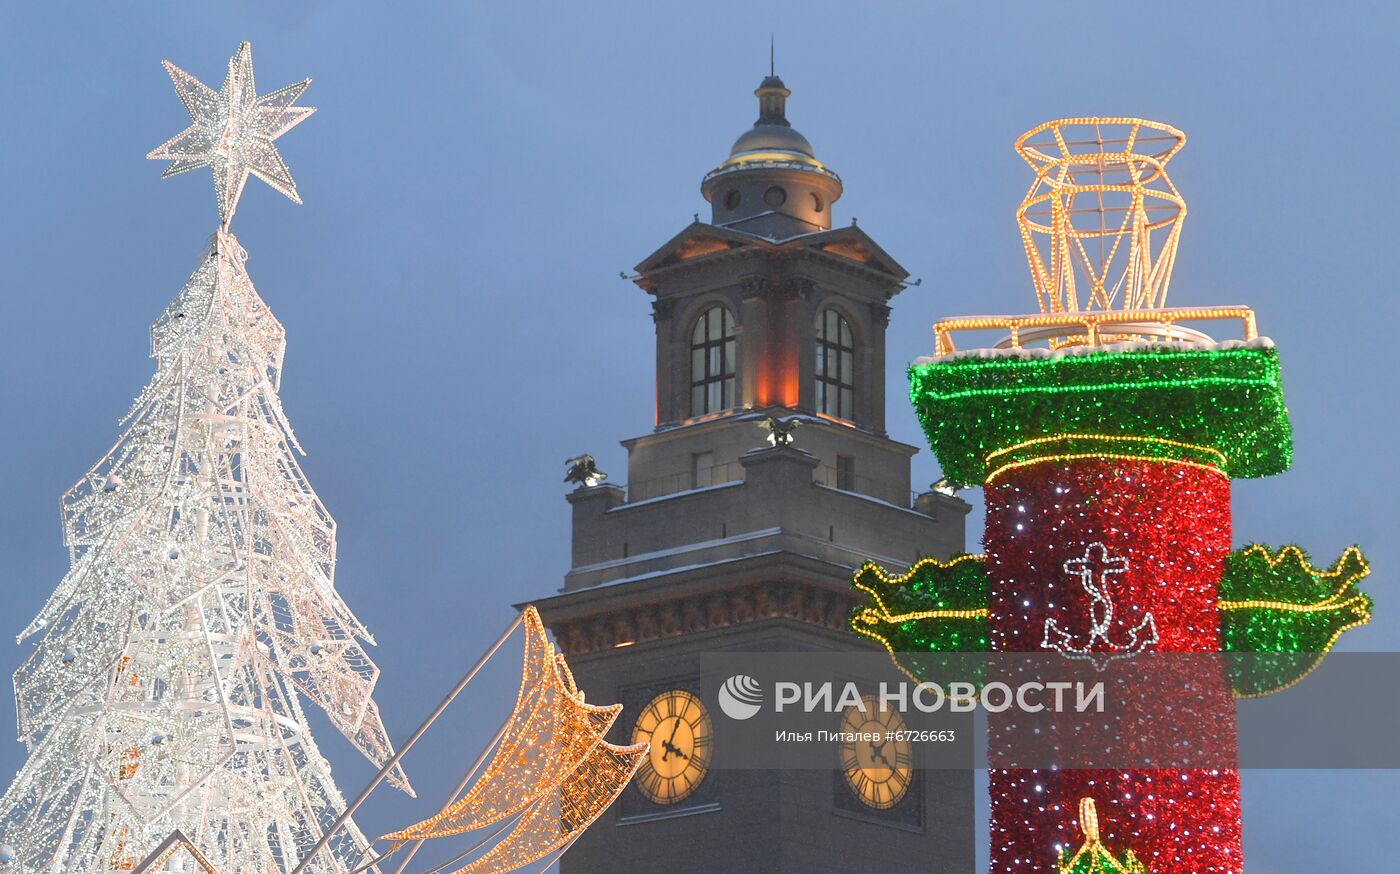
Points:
(1135, 346)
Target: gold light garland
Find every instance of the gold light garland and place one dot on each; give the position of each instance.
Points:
(1088, 191)
(1090, 321)
(558, 818)
(1128, 438)
(548, 734)
(550, 768)
(1081, 456)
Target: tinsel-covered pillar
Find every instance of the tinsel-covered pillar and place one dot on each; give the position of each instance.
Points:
(1105, 431)
(1105, 455)
(1099, 554)
(1106, 470)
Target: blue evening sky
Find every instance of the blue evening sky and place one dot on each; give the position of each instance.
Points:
(477, 175)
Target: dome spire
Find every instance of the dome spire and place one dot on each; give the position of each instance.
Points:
(772, 183)
(772, 93)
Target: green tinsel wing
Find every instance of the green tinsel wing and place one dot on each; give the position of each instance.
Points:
(937, 607)
(1279, 615)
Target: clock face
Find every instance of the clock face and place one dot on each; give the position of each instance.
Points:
(678, 728)
(878, 772)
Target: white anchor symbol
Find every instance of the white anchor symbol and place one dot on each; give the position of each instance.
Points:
(1140, 638)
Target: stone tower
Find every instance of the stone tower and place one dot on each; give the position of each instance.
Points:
(725, 539)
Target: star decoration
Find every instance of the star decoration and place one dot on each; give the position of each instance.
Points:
(233, 131)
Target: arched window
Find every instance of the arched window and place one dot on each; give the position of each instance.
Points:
(712, 362)
(836, 371)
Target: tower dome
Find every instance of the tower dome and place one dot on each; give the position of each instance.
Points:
(772, 183)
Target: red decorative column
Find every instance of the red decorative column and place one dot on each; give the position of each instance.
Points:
(1107, 557)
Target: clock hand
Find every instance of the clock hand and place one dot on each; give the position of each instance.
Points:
(667, 744)
(671, 748)
(877, 752)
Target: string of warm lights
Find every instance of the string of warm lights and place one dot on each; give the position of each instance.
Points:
(548, 734)
(1092, 192)
(549, 770)
(1110, 439)
(558, 818)
(1159, 322)
(1090, 456)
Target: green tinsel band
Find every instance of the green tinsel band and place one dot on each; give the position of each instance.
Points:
(1228, 399)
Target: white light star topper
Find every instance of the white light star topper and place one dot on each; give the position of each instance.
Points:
(233, 131)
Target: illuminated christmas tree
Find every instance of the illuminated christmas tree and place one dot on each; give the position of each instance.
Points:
(162, 692)
(1105, 433)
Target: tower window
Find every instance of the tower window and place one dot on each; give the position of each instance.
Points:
(835, 371)
(775, 196)
(712, 362)
(733, 199)
(817, 202)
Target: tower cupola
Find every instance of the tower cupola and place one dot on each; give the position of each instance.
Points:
(772, 184)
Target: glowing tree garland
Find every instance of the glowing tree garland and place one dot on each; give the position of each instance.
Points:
(161, 695)
(1106, 456)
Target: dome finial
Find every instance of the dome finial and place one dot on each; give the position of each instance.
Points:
(772, 101)
(772, 62)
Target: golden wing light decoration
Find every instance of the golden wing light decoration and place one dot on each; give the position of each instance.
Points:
(555, 821)
(548, 735)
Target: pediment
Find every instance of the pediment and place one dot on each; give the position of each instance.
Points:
(698, 240)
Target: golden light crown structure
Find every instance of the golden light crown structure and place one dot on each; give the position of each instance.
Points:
(1100, 224)
(1101, 220)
